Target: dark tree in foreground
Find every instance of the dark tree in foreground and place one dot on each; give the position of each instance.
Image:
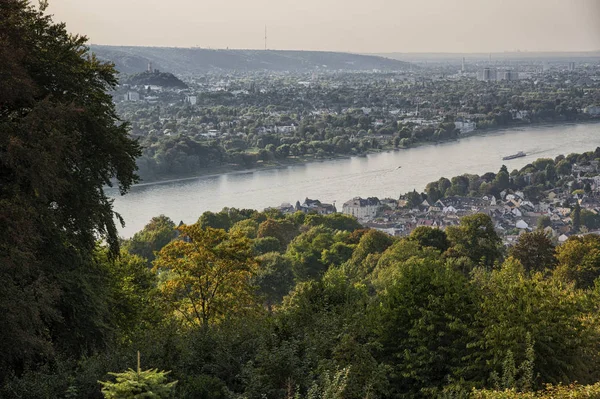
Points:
(60, 144)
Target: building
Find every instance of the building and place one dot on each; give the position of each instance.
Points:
(132, 96)
(315, 206)
(487, 74)
(571, 66)
(465, 126)
(192, 100)
(362, 208)
(507, 74)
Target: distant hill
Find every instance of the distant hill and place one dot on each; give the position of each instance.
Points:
(195, 60)
(155, 78)
(523, 56)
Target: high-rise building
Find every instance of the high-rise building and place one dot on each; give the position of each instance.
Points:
(487, 74)
(571, 66)
(507, 74)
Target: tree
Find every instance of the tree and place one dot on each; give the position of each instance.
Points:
(153, 237)
(502, 181)
(306, 252)
(206, 275)
(513, 306)
(423, 319)
(247, 227)
(476, 239)
(274, 277)
(282, 230)
(589, 219)
(551, 175)
(213, 220)
(372, 242)
(131, 384)
(576, 217)
(334, 221)
(579, 260)
(430, 237)
(266, 245)
(544, 222)
(443, 185)
(535, 251)
(413, 199)
(61, 143)
(433, 192)
(338, 253)
(563, 168)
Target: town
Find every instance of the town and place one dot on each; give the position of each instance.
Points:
(218, 122)
(560, 197)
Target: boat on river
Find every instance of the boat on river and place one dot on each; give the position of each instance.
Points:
(517, 155)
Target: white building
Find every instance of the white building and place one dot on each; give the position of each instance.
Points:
(132, 96)
(465, 126)
(362, 208)
(192, 100)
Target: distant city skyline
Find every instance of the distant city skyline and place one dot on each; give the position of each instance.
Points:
(377, 26)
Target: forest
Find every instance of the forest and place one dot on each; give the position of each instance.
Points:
(248, 304)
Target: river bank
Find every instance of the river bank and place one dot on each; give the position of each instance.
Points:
(339, 180)
(292, 161)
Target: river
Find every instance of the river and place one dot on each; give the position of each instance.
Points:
(341, 179)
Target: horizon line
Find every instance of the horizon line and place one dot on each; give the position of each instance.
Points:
(350, 51)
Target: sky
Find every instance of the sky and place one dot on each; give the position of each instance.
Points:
(362, 26)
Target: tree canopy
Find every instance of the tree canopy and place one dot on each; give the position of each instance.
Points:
(61, 143)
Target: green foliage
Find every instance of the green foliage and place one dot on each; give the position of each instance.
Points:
(334, 221)
(331, 387)
(543, 222)
(274, 277)
(306, 252)
(550, 392)
(554, 315)
(266, 245)
(476, 239)
(152, 78)
(576, 217)
(282, 230)
(206, 275)
(152, 238)
(248, 228)
(61, 143)
(579, 260)
(430, 237)
(413, 199)
(535, 251)
(213, 220)
(423, 323)
(139, 384)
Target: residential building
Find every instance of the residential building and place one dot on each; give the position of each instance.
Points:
(362, 208)
(315, 206)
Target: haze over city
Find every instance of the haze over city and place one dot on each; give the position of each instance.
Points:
(340, 25)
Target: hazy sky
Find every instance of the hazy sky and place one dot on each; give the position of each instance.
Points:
(343, 25)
